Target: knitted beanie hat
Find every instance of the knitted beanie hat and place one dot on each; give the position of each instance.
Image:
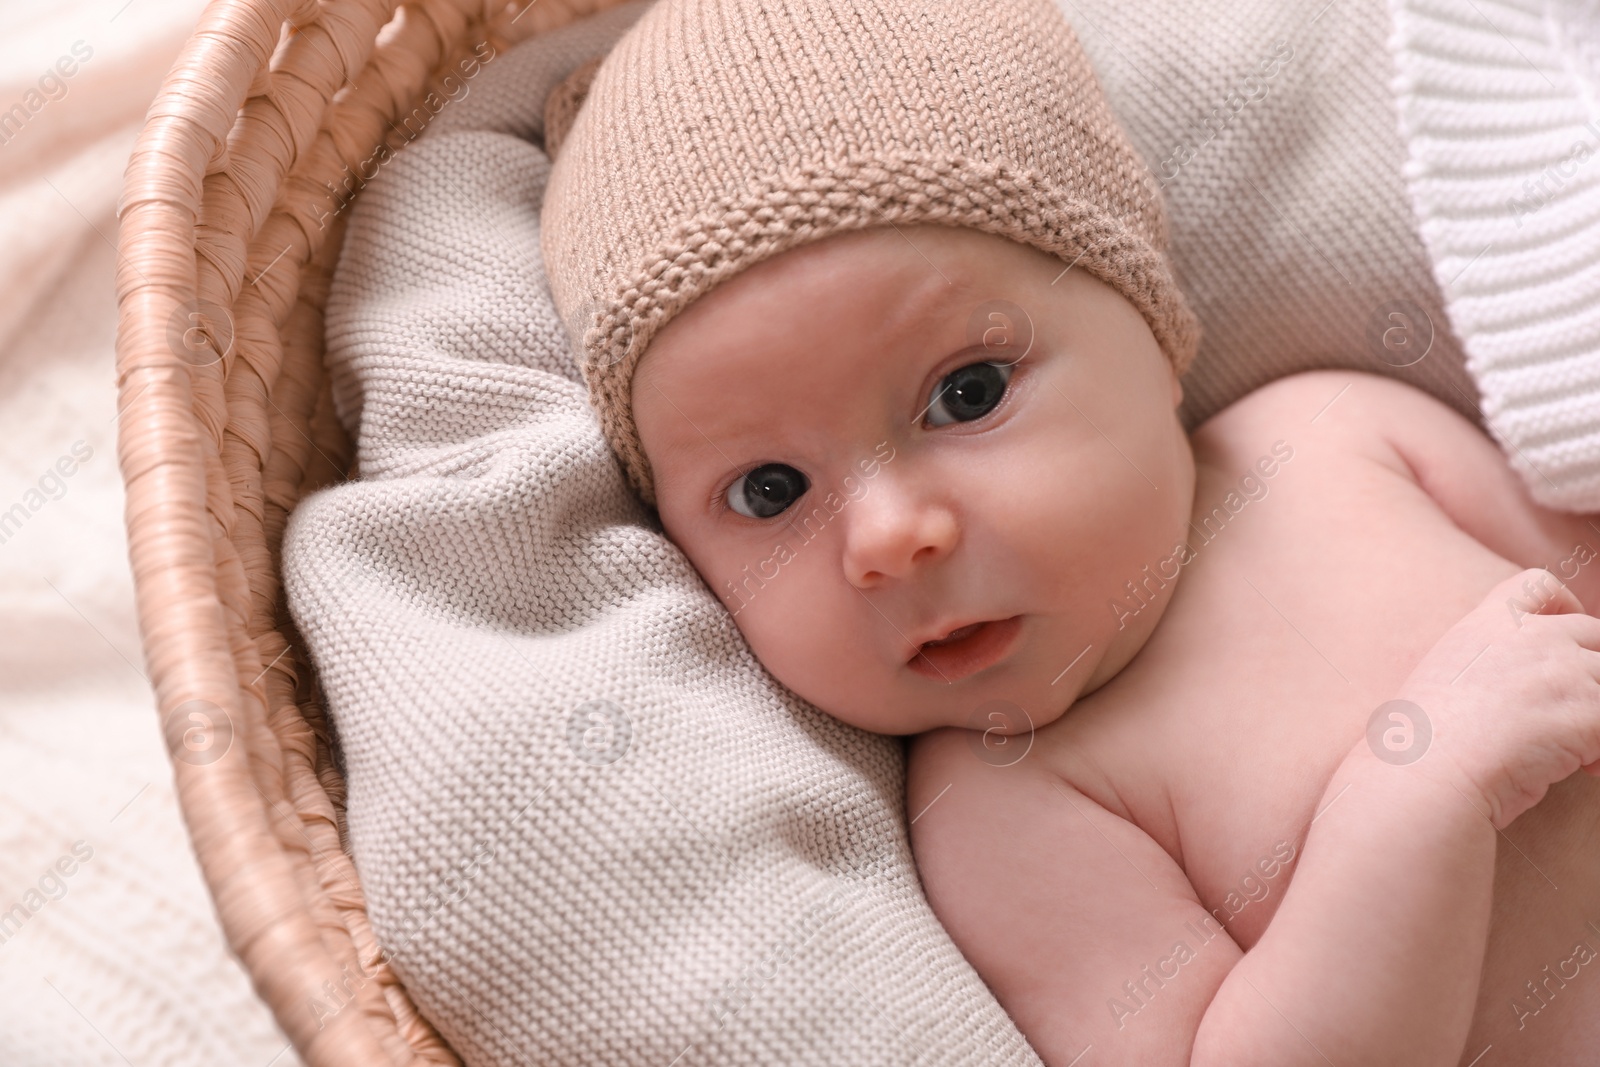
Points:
(719, 133)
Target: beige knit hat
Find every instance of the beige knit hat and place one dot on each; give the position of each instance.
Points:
(719, 133)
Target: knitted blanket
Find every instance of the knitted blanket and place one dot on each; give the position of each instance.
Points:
(1408, 188)
(591, 827)
(1500, 107)
(1272, 129)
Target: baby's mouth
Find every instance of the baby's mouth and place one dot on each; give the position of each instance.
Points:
(967, 650)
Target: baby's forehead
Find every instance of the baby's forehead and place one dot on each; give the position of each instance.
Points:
(788, 316)
(897, 277)
(845, 323)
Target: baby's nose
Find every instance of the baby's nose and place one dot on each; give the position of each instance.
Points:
(891, 532)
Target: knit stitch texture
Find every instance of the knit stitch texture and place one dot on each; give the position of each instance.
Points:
(1500, 105)
(1272, 129)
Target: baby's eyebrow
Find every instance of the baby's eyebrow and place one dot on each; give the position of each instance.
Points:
(924, 302)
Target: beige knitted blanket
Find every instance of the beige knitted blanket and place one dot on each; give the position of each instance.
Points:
(1272, 126)
(592, 829)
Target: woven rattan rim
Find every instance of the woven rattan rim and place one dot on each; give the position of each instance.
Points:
(231, 219)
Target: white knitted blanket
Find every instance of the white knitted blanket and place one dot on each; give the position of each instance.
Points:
(1501, 107)
(591, 827)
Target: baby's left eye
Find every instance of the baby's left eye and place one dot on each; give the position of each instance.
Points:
(968, 393)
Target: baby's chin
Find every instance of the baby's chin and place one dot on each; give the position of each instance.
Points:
(876, 716)
(986, 712)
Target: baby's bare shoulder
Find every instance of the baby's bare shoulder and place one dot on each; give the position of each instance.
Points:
(1348, 424)
(1350, 420)
(1345, 404)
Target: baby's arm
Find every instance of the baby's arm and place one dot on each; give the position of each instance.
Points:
(1375, 953)
(1096, 944)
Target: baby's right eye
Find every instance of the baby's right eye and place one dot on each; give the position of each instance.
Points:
(767, 490)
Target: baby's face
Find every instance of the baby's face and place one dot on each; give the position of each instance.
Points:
(870, 441)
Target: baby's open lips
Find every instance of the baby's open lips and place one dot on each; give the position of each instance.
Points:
(952, 635)
(966, 649)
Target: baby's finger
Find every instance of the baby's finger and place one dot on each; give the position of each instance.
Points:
(1584, 630)
(1538, 591)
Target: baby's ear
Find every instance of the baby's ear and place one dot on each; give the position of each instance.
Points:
(1177, 387)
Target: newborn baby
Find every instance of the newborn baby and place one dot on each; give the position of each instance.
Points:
(1255, 745)
(1178, 642)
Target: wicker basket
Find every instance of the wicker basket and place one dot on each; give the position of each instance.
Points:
(229, 234)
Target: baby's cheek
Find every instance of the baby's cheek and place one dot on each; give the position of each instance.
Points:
(784, 626)
(819, 648)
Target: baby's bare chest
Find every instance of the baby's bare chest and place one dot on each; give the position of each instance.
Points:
(1294, 621)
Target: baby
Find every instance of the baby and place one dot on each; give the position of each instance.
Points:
(1257, 745)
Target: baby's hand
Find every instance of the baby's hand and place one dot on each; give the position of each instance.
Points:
(1513, 694)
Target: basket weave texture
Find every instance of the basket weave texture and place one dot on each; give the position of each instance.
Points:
(232, 215)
